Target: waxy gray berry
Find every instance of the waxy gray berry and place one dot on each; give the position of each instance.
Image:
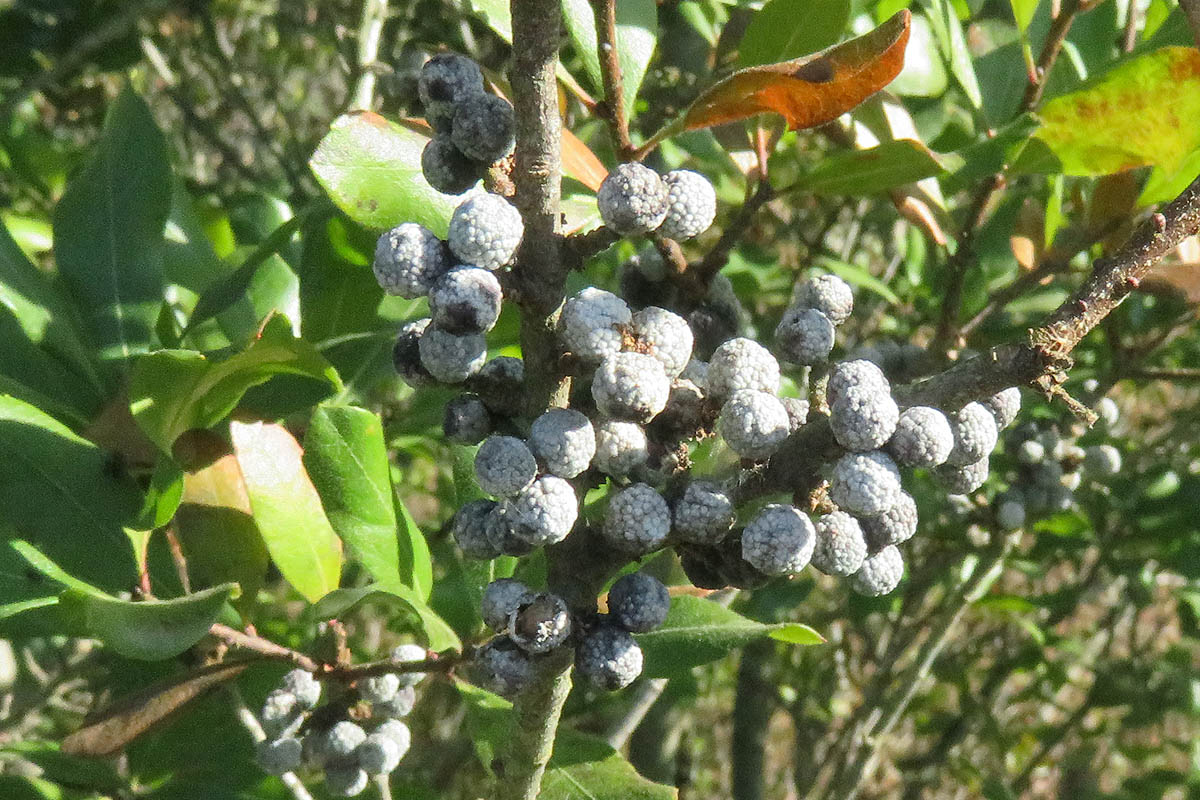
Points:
(450, 358)
(753, 423)
(779, 541)
(691, 205)
(483, 128)
(609, 658)
(964, 479)
(840, 547)
(593, 324)
(304, 687)
(863, 421)
(469, 527)
(445, 168)
(894, 526)
(638, 520)
(1004, 405)
(485, 231)
(563, 441)
(631, 386)
(408, 259)
(804, 336)
(704, 514)
(501, 599)
(378, 754)
(543, 512)
(975, 434)
(632, 199)
(923, 438)
(501, 667)
(449, 78)
(828, 294)
(277, 756)
(879, 574)
(504, 466)
(742, 364)
(540, 624)
(865, 483)
(466, 420)
(621, 447)
(638, 602)
(465, 300)
(664, 335)
(859, 375)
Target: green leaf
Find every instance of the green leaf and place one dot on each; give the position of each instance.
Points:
(287, 509)
(949, 34)
(1023, 11)
(637, 31)
(346, 458)
(924, 73)
(1137, 114)
(861, 172)
(992, 155)
(59, 491)
(108, 230)
(415, 559)
(173, 391)
(371, 169)
(438, 635)
(698, 631)
(581, 767)
(154, 629)
(785, 29)
(857, 276)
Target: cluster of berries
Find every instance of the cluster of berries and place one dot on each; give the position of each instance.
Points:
(472, 129)
(1050, 466)
(531, 624)
(301, 733)
(634, 199)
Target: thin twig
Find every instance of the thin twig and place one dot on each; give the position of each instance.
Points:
(370, 31)
(610, 73)
(647, 695)
(718, 257)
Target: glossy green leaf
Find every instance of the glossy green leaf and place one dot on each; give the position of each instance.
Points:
(371, 168)
(108, 230)
(637, 32)
(1023, 11)
(1140, 113)
(346, 458)
(438, 635)
(785, 29)
(173, 391)
(60, 492)
(698, 631)
(877, 169)
(150, 630)
(287, 509)
(580, 767)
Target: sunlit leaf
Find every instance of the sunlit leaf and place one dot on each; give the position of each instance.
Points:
(786, 29)
(637, 29)
(808, 91)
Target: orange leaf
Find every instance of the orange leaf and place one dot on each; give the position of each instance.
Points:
(580, 163)
(812, 90)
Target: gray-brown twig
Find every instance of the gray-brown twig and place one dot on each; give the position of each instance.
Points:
(610, 72)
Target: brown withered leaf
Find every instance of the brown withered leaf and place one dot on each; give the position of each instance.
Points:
(811, 90)
(111, 730)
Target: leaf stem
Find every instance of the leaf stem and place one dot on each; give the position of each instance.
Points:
(610, 74)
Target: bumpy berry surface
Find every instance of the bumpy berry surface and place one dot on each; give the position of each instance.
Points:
(378, 754)
(449, 78)
(797, 411)
(466, 419)
(465, 300)
(691, 204)
(804, 336)
(543, 512)
(281, 713)
(500, 384)
(964, 479)
(894, 526)
(501, 667)
(859, 374)
(563, 441)
(621, 447)
(501, 599)
(1004, 405)
(779, 541)
(483, 127)
(398, 732)
(632, 199)
(753, 423)
(863, 421)
(975, 434)
(638, 519)
(923, 438)
(664, 335)
(469, 527)
(340, 740)
(304, 687)
(450, 358)
(445, 168)
(742, 364)
(346, 780)
(865, 483)
(828, 294)
(609, 658)
(638, 602)
(592, 324)
(379, 688)
(840, 546)
(406, 354)
(402, 653)
(541, 624)
(504, 466)
(408, 259)
(485, 231)
(631, 386)
(1102, 461)
(703, 514)
(400, 705)
(879, 574)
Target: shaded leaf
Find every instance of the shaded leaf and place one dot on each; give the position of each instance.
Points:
(108, 230)
(924, 73)
(62, 493)
(346, 458)
(438, 634)
(948, 30)
(698, 631)
(637, 31)
(111, 730)
(876, 169)
(1140, 113)
(371, 168)
(808, 91)
(287, 509)
(786, 29)
(173, 391)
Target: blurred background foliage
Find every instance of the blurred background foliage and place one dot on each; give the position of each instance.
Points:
(1060, 659)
